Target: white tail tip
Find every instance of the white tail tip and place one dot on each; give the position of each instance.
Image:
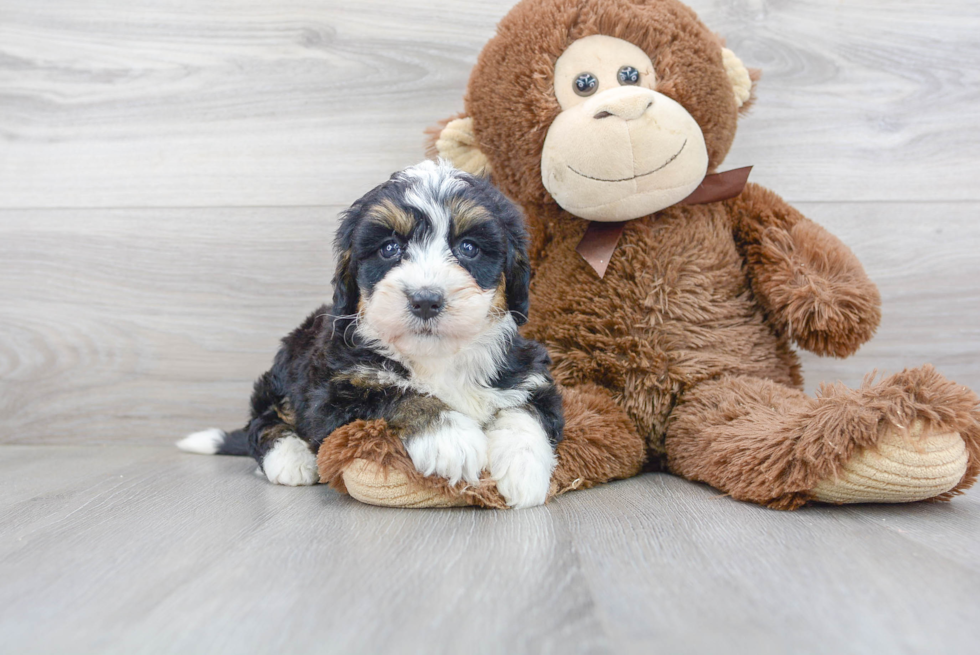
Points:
(205, 442)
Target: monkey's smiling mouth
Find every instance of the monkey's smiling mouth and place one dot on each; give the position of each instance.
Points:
(627, 179)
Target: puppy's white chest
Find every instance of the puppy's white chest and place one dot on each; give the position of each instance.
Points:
(468, 396)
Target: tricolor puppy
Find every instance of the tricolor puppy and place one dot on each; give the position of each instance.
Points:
(431, 284)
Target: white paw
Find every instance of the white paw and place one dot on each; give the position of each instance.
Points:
(521, 459)
(455, 449)
(291, 462)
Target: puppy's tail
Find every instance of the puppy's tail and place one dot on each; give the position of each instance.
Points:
(215, 442)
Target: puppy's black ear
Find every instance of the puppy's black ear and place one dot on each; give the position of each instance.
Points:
(518, 277)
(517, 269)
(346, 293)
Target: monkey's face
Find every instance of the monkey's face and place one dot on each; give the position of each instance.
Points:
(605, 109)
(618, 149)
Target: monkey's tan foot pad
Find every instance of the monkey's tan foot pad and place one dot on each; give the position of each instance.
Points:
(903, 467)
(371, 483)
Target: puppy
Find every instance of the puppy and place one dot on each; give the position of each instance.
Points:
(430, 287)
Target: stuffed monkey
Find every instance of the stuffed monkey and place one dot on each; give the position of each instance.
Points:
(669, 297)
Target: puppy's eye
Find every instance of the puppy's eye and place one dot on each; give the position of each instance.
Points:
(390, 250)
(628, 75)
(468, 249)
(585, 84)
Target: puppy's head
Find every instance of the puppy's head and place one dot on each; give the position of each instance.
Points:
(431, 261)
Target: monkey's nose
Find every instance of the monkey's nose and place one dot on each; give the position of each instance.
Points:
(425, 303)
(627, 103)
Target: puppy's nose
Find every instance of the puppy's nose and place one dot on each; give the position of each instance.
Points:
(425, 303)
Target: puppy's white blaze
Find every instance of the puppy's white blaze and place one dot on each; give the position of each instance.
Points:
(455, 449)
(429, 264)
(521, 459)
(205, 442)
(435, 183)
(436, 179)
(290, 463)
(434, 207)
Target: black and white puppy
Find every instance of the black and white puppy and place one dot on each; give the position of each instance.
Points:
(431, 285)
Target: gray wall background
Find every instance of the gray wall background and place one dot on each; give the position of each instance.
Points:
(171, 172)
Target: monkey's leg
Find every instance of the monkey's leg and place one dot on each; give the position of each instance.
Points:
(368, 461)
(601, 442)
(911, 436)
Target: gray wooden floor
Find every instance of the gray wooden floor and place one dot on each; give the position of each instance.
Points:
(170, 176)
(131, 549)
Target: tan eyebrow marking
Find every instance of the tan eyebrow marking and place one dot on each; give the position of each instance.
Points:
(466, 214)
(388, 214)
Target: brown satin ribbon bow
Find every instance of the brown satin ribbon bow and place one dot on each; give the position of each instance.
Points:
(600, 239)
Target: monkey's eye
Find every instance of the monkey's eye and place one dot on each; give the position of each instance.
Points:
(390, 249)
(468, 249)
(628, 75)
(585, 84)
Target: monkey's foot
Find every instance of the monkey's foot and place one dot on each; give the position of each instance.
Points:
(905, 465)
(369, 482)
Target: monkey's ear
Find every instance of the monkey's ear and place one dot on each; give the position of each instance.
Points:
(742, 79)
(454, 141)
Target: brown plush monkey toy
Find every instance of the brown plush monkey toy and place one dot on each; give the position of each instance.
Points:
(669, 297)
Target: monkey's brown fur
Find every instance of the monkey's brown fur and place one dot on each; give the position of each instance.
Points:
(681, 355)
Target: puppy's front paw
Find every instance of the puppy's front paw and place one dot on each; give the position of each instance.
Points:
(455, 448)
(521, 458)
(290, 462)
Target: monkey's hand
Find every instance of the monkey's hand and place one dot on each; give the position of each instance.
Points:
(812, 286)
(817, 290)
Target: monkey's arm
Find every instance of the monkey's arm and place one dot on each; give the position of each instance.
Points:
(811, 285)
